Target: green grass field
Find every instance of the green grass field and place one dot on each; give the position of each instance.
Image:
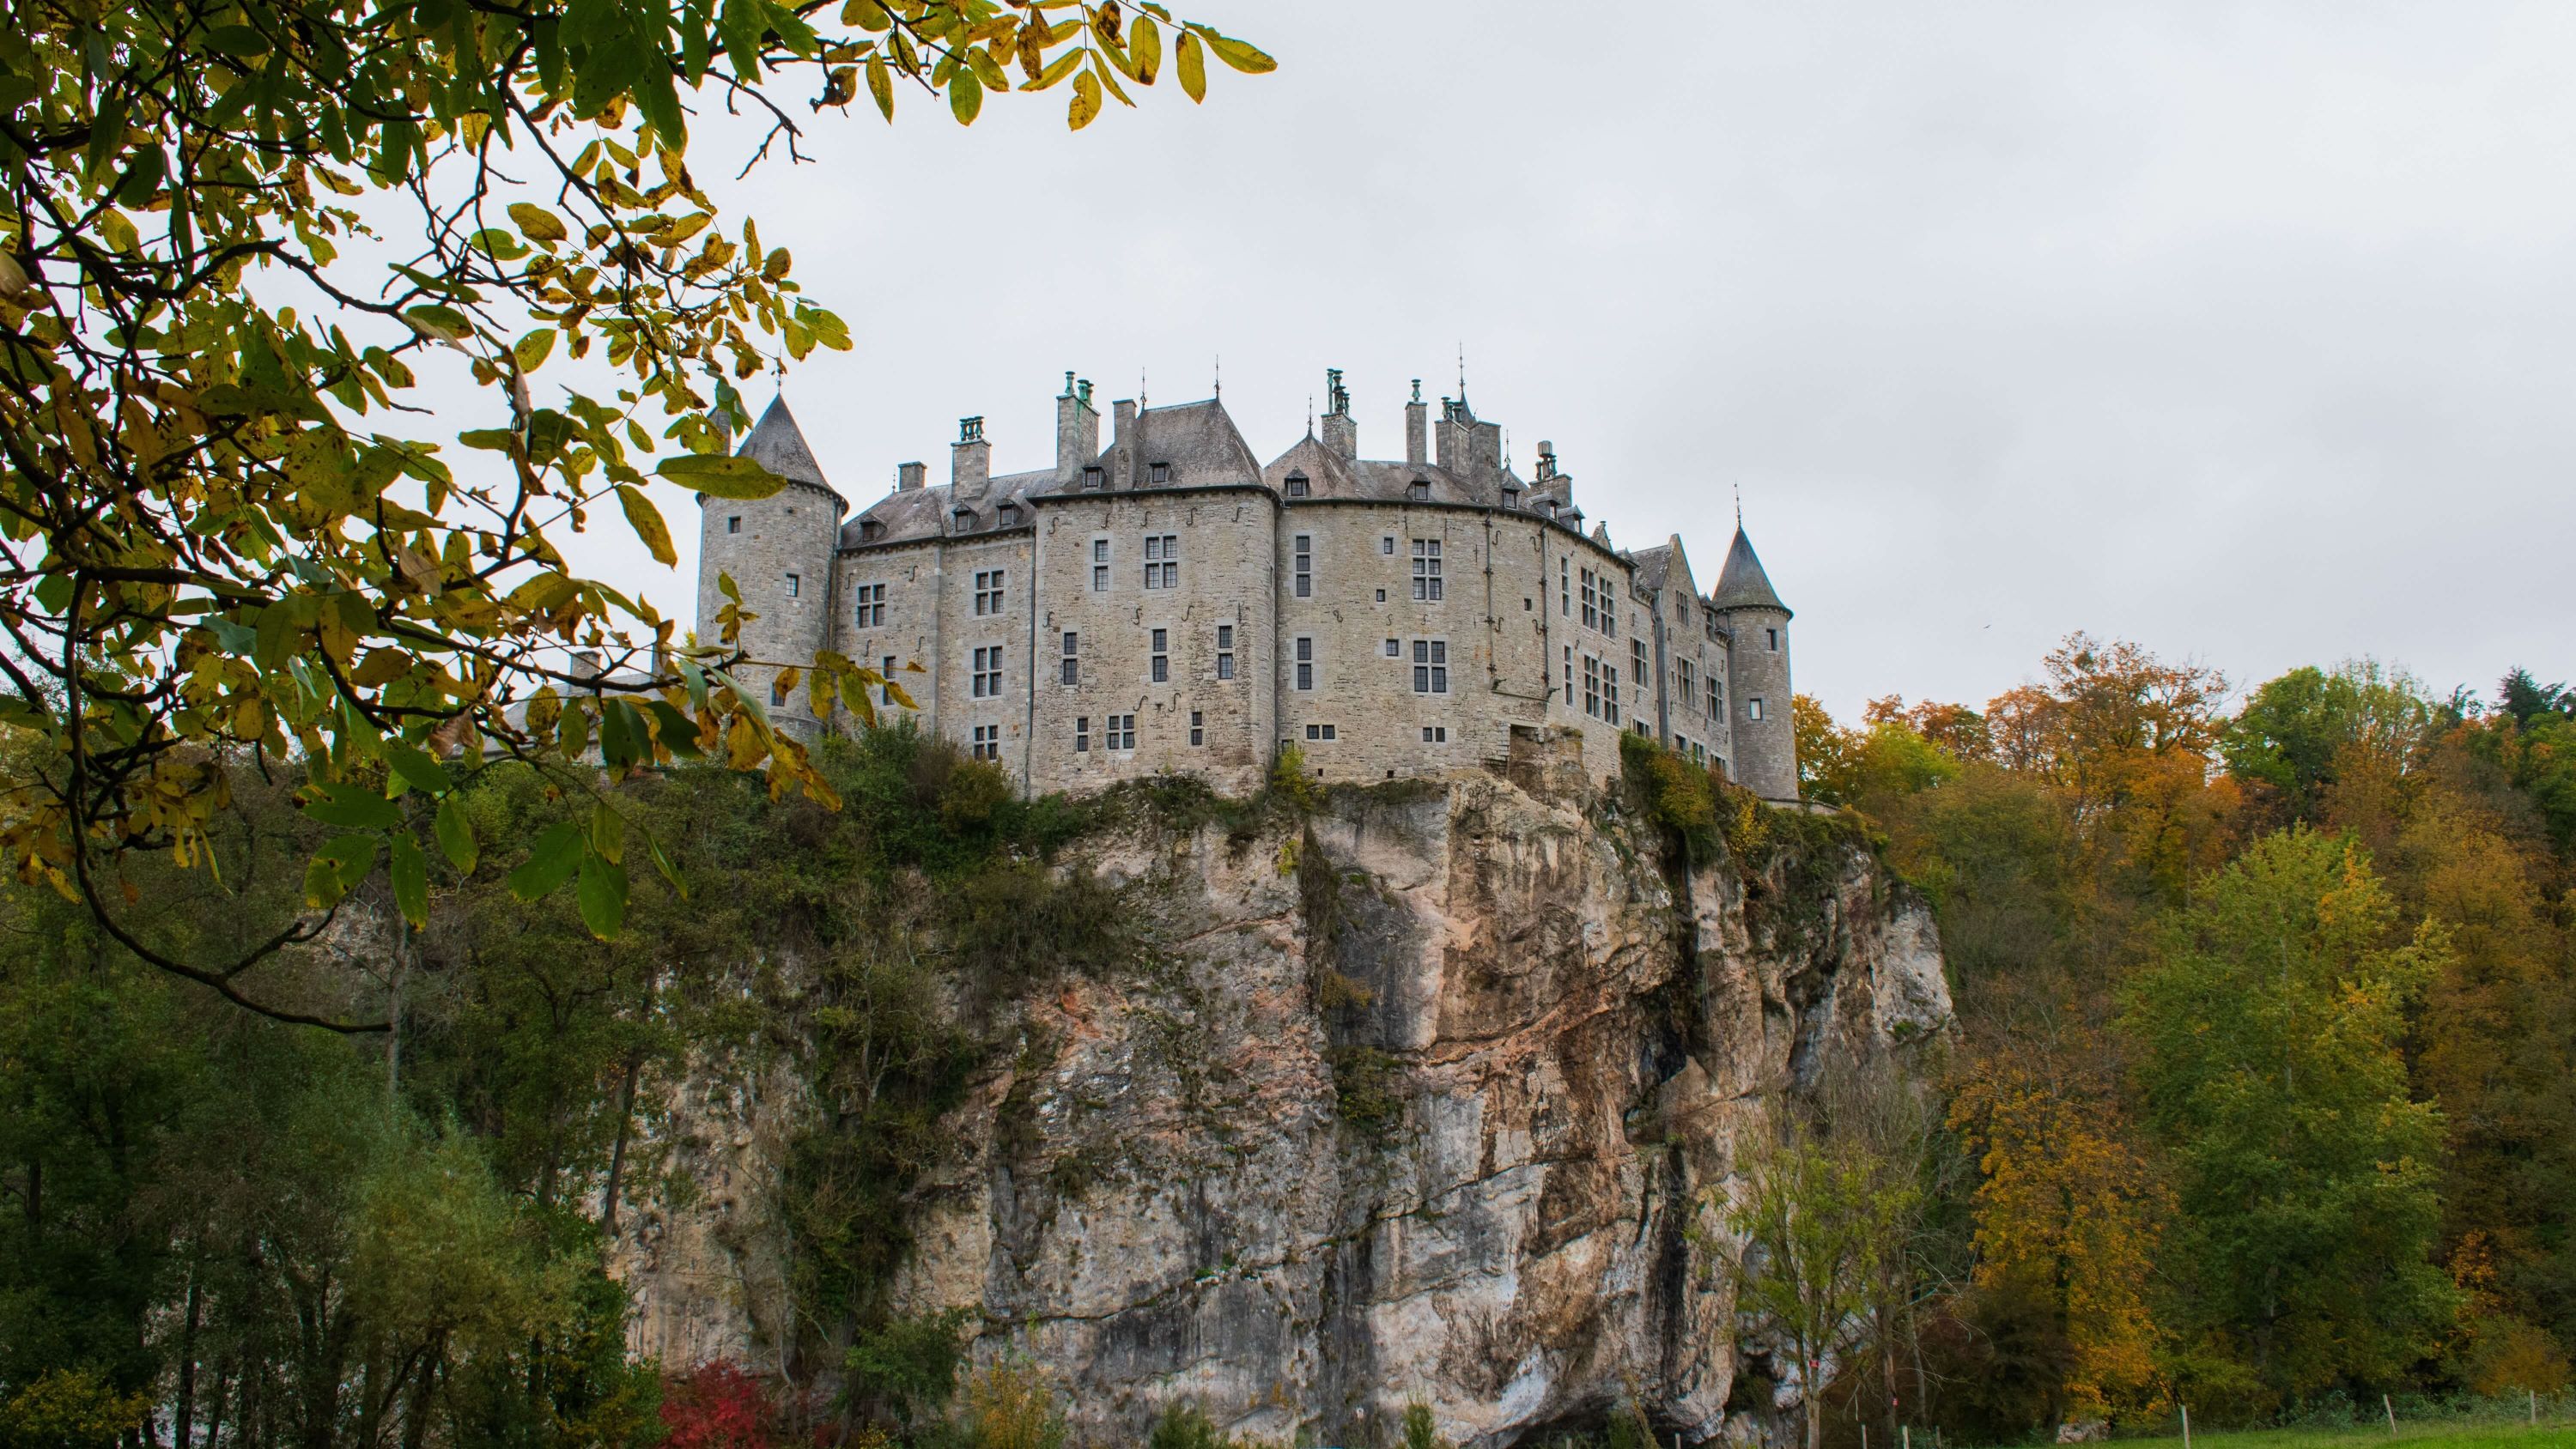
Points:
(2425, 1436)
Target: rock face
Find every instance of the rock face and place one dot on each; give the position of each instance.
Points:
(1419, 1102)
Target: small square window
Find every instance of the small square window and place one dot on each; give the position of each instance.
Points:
(1386, 544)
(795, 586)
(1753, 708)
(734, 524)
(1393, 648)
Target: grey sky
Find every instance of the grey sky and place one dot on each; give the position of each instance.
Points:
(2239, 330)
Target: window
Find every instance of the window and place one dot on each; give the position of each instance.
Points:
(870, 613)
(1685, 680)
(1162, 667)
(885, 671)
(1431, 666)
(1753, 708)
(1094, 479)
(1162, 473)
(1418, 491)
(1121, 732)
(777, 693)
(1296, 485)
(1082, 734)
(1426, 569)
(1301, 564)
(1770, 640)
(1394, 649)
(1225, 651)
(1591, 686)
(988, 742)
(986, 676)
(1162, 560)
(1386, 544)
(1637, 661)
(1072, 666)
(1305, 663)
(795, 586)
(1564, 590)
(734, 524)
(1381, 596)
(1319, 732)
(1591, 603)
(1716, 698)
(1435, 734)
(1610, 692)
(1609, 613)
(1569, 676)
(988, 591)
(1198, 727)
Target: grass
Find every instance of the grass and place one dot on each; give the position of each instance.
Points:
(2414, 1436)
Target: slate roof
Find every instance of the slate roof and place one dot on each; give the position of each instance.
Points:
(1651, 566)
(1198, 440)
(777, 444)
(919, 514)
(1742, 584)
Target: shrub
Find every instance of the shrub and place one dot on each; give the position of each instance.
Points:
(1011, 1405)
(1289, 780)
(907, 1368)
(1185, 1426)
(1421, 1431)
(717, 1406)
(71, 1409)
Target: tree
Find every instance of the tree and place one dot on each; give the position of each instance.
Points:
(2309, 730)
(1816, 1220)
(2267, 1054)
(2068, 1217)
(231, 240)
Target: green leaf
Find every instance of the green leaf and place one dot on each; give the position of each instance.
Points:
(336, 869)
(353, 808)
(531, 351)
(550, 863)
(410, 872)
(881, 86)
(965, 95)
(647, 522)
(607, 833)
(456, 835)
(237, 40)
(678, 732)
(417, 767)
(603, 896)
(718, 476)
(443, 323)
(663, 864)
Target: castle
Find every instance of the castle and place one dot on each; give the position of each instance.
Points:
(1171, 604)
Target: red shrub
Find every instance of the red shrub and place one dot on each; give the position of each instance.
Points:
(718, 1406)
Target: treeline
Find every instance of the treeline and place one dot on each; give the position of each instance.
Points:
(222, 1230)
(2263, 1096)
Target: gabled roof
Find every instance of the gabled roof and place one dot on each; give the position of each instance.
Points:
(777, 444)
(927, 512)
(1651, 565)
(1742, 584)
(1198, 440)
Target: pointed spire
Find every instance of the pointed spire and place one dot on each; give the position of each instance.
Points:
(1742, 584)
(777, 444)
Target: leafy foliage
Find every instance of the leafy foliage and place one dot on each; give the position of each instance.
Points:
(234, 242)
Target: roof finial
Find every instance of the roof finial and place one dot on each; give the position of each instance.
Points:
(1462, 370)
(1140, 389)
(1310, 415)
(1739, 508)
(1220, 375)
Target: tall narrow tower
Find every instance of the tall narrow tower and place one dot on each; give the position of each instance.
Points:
(1757, 669)
(778, 551)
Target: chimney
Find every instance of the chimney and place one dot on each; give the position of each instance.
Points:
(970, 460)
(1450, 446)
(1416, 450)
(1341, 435)
(1122, 444)
(1546, 460)
(1077, 430)
(908, 476)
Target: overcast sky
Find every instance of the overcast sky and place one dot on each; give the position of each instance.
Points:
(2239, 330)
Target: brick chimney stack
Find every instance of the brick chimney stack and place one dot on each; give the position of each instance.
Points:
(970, 461)
(1417, 427)
(1077, 430)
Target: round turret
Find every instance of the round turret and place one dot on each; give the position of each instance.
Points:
(778, 551)
(1761, 721)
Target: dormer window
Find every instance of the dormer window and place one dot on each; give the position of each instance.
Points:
(870, 530)
(1419, 490)
(1296, 485)
(1095, 479)
(1551, 508)
(1511, 498)
(1010, 514)
(962, 518)
(1161, 474)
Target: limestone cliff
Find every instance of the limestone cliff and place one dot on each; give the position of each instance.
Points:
(1415, 1104)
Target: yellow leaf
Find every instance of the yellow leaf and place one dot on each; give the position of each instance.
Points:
(1145, 48)
(536, 223)
(1193, 68)
(531, 351)
(881, 86)
(1086, 101)
(965, 94)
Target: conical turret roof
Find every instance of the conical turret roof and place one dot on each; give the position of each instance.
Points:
(1742, 584)
(777, 444)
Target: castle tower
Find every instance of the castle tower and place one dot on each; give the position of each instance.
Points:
(778, 551)
(1766, 739)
